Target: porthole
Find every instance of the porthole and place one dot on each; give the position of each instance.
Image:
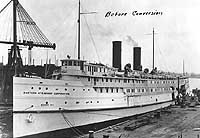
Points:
(46, 88)
(73, 89)
(39, 88)
(97, 101)
(56, 89)
(65, 89)
(112, 99)
(77, 102)
(31, 87)
(47, 103)
(65, 102)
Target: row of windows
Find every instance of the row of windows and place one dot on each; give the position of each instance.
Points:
(129, 90)
(128, 81)
(72, 63)
(56, 89)
(161, 82)
(87, 102)
(117, 80)
(95, 69)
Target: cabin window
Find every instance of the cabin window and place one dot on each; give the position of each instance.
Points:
(142, 90)
(39, 88)
(112, 99)
(128, 90)
(97, 101)
(106, 79)
(110, 80)
(101, 90)
(128, 81)
(117, 90)
(90, 101)
(83, 89)
(77, 102)
(41, 82)
(70, 63)
(132, 90)
(119, 80)
(65, 89)
(133, 81)
(125, 80)
(104, 70)
(102, 80)
(88, 78)
(94, 89)
(65, 102)
(112, 90)
(46, 88)
(47, 103)
(138, 90)
(73, 89)
(100, 69)
(107, 90)
(31, 87)
(56, 89)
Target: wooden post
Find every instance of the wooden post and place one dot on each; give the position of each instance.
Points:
(91, 134)
(105, 136)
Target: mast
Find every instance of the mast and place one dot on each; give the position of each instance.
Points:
(153, 48)
(79, 28)
(15, 33)
(183, 68)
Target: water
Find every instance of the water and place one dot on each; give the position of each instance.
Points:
(194, 83)
(6, 122)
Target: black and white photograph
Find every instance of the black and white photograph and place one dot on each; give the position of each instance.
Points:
(99, 69)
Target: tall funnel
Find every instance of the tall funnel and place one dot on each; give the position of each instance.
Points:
(137, 58)
(116, 60)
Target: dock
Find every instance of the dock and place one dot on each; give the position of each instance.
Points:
(174, 122)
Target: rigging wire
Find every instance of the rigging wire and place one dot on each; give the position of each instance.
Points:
(75, 43)
(5, 6)
(93, 42)
(91, 36)
(165, 63)
(78, 132)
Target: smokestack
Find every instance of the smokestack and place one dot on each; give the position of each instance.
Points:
(137, 58)
(117, 54)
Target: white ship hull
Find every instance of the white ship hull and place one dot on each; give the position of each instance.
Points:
(52, 121)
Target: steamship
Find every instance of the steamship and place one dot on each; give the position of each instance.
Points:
(85, 93)
(81, 93)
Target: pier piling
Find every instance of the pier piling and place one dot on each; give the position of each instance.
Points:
(105, 136)
(91, 134)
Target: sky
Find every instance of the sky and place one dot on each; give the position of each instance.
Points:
(176, 39)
